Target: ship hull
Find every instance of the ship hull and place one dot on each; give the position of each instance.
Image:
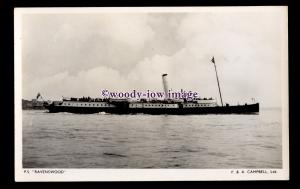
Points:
(239, 109)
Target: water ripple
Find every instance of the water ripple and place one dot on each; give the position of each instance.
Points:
(64, 140)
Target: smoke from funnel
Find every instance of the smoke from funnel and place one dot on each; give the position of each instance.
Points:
(165, 84)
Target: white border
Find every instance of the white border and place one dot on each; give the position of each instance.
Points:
(146, 174)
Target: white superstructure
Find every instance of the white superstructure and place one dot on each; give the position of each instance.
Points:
(152, 105)
(85, 104)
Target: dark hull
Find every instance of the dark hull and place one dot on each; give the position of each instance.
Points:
(240, 109)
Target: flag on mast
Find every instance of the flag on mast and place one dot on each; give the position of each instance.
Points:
(213, 59)
(38, 95)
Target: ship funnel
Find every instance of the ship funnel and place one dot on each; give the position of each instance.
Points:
(165, 84)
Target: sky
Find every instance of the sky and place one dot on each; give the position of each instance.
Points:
(75, 55)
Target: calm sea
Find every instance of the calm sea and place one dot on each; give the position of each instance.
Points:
(65, 140)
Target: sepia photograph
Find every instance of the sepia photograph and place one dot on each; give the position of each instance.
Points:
(185, 93)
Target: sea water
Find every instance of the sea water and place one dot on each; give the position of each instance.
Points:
(66, 140)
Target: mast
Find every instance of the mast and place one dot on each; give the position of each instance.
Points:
(213, 61)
